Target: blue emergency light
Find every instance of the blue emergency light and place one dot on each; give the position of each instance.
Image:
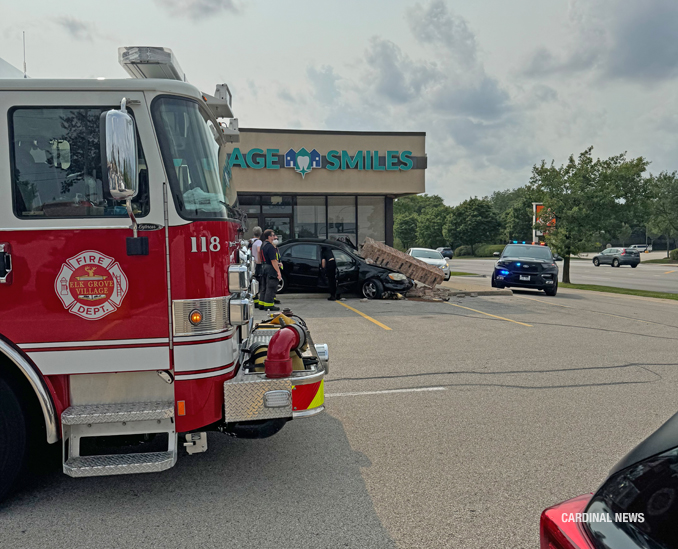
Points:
(504, 272)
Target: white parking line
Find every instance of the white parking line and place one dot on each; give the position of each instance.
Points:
(386, 391)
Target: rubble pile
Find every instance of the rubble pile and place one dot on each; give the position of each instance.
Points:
(384, 255)
(432, 294)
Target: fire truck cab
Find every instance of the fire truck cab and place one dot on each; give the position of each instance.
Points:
(126, 311)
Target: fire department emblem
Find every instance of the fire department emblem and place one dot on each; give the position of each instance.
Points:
(91, 285)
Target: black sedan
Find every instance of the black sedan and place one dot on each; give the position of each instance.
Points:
(528, 266)
(617, 257)
(301, 270)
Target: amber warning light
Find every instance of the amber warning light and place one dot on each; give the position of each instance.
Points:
(195, 317)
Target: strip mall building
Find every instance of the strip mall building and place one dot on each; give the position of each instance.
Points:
(326, 184)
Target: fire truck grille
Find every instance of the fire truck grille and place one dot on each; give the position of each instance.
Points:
(214, 313)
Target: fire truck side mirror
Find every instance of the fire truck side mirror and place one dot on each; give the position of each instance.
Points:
(119, 155)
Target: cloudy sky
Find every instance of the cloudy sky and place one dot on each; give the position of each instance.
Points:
(497, 85)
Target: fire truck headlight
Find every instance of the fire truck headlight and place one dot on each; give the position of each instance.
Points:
(195, 317)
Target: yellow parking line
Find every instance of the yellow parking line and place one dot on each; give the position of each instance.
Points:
(669, 272)
(365, 316)
(488, 314)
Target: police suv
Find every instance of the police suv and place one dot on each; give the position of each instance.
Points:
(530, 266)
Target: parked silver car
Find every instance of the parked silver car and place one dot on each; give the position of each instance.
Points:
(432, 257)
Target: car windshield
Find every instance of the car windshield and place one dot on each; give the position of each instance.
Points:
(527, 251)
(426, 254)
(195, 160)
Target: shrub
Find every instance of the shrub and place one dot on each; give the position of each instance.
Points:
(487, 250)
(673, 254)
(463, 250)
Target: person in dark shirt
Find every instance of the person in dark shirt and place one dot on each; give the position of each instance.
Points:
(329, 264)
(271, 271)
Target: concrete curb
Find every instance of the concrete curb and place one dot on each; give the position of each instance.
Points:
(481, 293)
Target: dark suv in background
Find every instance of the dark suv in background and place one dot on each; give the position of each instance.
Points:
(301, 269)
(617, 257)
(529, 266)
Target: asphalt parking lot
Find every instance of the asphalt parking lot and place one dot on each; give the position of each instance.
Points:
(447, 425)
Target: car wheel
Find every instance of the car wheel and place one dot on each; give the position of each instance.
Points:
(596, 262)
(634, 266)
(448, 277)
(551, 291)
(373, 289)
(282, 286)
(615, 262)
(13, 439)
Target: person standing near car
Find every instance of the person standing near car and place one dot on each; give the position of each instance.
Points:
(255, 246)
(271, 271)
(329, 264)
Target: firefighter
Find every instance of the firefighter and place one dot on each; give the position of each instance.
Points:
(271, 271)
(329, 264)
(255, 247)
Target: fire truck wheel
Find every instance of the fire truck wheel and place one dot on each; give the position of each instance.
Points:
(12, 438)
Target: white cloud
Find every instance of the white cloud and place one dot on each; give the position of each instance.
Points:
(200, 9)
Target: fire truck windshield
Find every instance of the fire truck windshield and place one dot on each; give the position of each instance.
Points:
(195, 160)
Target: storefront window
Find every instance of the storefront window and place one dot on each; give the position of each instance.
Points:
(371, 218)
(309, 217)
(341, 217)
(250, 204)
(276, 204)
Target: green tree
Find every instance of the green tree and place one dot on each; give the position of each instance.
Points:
(587, 196)
(472, 222)
(430, 227)
(624, 233)
(415, 204)
(405, 229)
(664, 205)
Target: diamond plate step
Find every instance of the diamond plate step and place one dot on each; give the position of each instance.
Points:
(115, 413)
(122, 464)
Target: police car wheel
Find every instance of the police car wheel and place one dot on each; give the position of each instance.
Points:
(551, 291)
(373, 289)
(13, 438)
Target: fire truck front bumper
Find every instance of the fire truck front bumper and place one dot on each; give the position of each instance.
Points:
(254, 397)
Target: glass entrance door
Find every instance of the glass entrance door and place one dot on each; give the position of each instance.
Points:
(282, 225)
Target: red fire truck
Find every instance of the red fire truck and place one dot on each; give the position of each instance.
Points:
(126, 313)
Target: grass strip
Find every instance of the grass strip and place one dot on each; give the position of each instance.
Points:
(624, 291)
(662, 261)
(460, 273)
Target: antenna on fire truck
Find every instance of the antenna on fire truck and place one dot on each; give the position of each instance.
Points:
(24, 38)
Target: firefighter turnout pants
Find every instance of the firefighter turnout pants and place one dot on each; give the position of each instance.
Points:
(270, 279)
(258, 270)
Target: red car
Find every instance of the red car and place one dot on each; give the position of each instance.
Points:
(636, 507)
